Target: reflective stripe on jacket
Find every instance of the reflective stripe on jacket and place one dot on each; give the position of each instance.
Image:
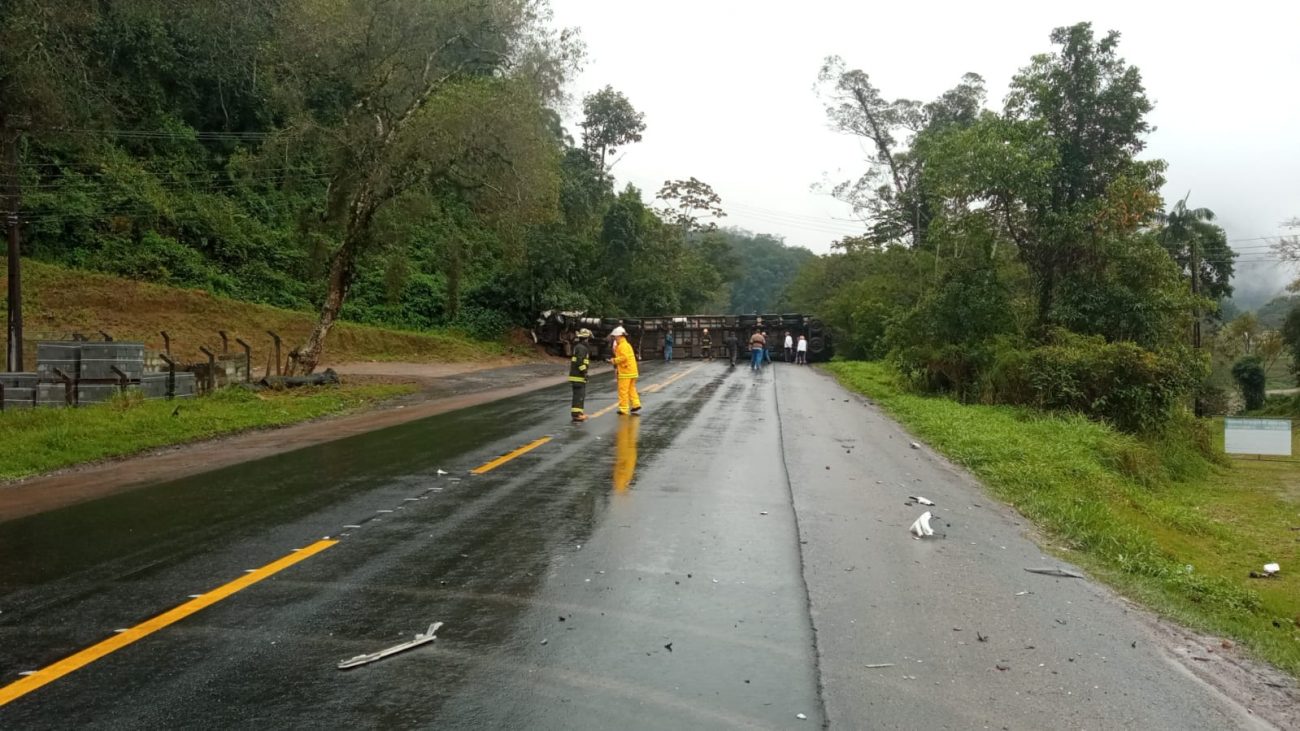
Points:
(579, 362)
(625, 359)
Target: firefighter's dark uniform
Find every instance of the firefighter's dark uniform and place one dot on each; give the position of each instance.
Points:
(578, 377)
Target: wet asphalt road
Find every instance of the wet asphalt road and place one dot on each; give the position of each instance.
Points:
(664, 571)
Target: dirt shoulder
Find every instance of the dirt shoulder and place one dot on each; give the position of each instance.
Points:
(443, 387)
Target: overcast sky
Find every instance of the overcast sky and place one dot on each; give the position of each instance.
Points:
(727, 91)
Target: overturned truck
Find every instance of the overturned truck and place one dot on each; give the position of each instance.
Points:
(557, 330)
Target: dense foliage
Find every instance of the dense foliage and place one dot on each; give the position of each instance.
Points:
(398, 163)
(1021, 256)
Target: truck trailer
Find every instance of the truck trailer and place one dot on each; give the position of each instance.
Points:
(556, 331)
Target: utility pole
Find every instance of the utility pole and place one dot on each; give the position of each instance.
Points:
(1196, 307)
(10, 129)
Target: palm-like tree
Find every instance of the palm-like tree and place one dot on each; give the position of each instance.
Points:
(1199, 247)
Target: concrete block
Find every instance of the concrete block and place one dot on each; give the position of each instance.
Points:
(98, 360)
(19, 398)
(63, 355)
(51, 395)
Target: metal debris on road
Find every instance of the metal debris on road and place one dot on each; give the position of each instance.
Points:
(442, 472)
(921, 500)
(801, 716)
(878, 665)
(420, 639)
(1059, 573)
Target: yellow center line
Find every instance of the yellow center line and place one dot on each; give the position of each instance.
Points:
(604, 411)
(507, 457)
(51, 673)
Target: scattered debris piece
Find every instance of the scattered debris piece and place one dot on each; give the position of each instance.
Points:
(801, 717)
(762, 512)
(420, 639)
(1059, 573)
(544, 641)
(669, 647)
(442, 472)
(1272, 568)
(981, 637)
(1023, 593)
(921, 500)
(921, 527)
(1226, 644)
(878, 665)
(1003, 668)
(1134, 645)
(561, 619)
(915, 445)
(1061, 622)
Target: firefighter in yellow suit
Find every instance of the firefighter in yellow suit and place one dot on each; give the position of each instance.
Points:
(624, 360)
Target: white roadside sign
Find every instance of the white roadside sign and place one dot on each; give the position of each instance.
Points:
(1257, 436)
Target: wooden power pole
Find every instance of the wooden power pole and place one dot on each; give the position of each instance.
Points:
(10, 129)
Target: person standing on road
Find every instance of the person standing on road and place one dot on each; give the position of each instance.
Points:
(767, 351)
(801, 351)
(578, 364)
(789, 347)
(668, 347)
(757, 347)
(624, 360)
(732, 345)
(706, 340)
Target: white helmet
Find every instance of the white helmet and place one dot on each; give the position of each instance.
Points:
(618, 332)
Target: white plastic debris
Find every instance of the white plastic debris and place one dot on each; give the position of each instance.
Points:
(442, 472)
(915, 445)
(921, 500)
(420, 639)
(1271, 568)
(801, 716)
(921, 528)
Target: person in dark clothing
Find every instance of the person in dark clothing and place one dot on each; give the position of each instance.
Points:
(578, 365)
(732, 345)
(668, 347)
(706, 343)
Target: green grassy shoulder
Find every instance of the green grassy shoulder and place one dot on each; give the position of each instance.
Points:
(41, 440)
(59, 301)
(1155, 519)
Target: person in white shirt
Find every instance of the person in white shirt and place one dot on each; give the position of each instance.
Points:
(789, 347)
(801, 354)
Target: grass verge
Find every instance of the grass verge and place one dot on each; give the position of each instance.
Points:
(59, 301)
(41, 440)
(1154, 518)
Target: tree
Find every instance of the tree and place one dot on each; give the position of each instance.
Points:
(1240, 337)
(1270, 349)
(1250, 377)
(409, 95)
(684, 201)
(890, 196)
(1291, 338)
(1199, 248)
(609, 121)
(1091, 107)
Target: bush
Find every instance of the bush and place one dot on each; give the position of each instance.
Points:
(1135, 389)
(1249, 375)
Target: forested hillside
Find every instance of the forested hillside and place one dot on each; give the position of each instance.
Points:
(400, 163)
